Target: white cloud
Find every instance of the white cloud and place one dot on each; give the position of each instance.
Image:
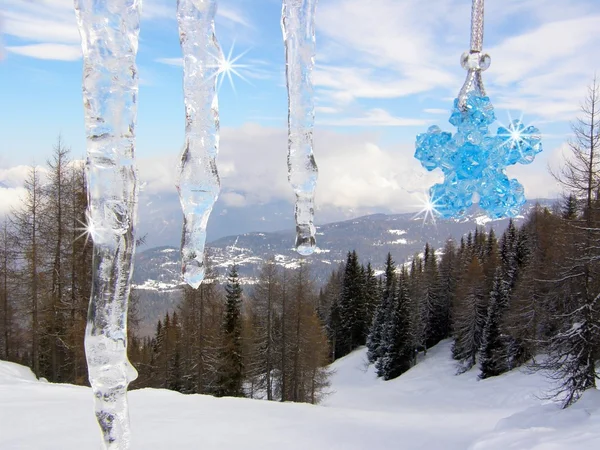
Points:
(12, 180)
(58, 52)
(354, 172)
(233, 199)
(54, 28)
(373, 118)
(9, 199)
(436, 111)
(233, 15)
(177, 62)
(46, 27)
(326, 110)
(357, 174)
(544, 52)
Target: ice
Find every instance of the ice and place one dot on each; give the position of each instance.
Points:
(198, 183)
(297, 24)
(109, 33)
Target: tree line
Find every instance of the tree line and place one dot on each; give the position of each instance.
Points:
(268, 343)
(221, 341)
(45, 272)
(534, 292)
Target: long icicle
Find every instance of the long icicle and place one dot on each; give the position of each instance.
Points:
(298, 27)
(198, 183)
(109, 32)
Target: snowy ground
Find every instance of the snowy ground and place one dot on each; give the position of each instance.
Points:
(427, 408)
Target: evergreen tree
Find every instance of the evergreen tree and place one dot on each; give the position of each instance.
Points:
(174, 379)
(352, 309)
(448, 279)
(396, 348)
(417, 295)
(470, 317)
(328, 307)
(371, 294)
(231, 370)
(431, 315)
(493, 359)
(374, 341)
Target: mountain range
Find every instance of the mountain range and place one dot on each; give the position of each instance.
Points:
(157, 270)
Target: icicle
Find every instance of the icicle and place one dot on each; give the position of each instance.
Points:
(297, 24)
(109, 32)
(198, 182)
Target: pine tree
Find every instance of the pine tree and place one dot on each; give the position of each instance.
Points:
(352, 309)
(174, 376)
(470, 316)
(332, 293)
(397, 344)
(431, 327)
(231, 370)
(371, 295)
(448, 279)
(494, 360)
(417, 295)
(374, 349)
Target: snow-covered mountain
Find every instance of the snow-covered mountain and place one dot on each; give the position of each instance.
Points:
(157, 276)
(428, 407)
(372, 237)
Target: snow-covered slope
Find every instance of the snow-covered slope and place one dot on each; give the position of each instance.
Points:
(427, 408)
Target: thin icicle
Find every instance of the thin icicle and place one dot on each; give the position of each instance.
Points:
(109, 32)
(198, 182)
(298, 26)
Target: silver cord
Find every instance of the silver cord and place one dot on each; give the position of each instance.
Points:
(473, 60)
(477, 26)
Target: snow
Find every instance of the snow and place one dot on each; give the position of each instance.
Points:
(11, 373)
(482, 220)
(397, 232)
(154, 285)
(429, 407)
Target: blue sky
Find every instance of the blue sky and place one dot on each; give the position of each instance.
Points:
(386, 70)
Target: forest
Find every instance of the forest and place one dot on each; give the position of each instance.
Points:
(527, 298)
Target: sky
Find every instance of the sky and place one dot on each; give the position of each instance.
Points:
(385, 71)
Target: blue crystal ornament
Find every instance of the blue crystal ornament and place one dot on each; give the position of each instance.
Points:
(473, 160)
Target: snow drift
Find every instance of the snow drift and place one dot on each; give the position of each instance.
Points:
(429, 407)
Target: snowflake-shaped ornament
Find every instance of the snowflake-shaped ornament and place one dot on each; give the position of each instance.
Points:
(474, 161)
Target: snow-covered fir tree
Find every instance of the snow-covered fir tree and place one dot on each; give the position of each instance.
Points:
(396, 345)
(384, 308)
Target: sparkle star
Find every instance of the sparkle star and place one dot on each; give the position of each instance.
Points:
(227, 66)
(428, 211)
(87, 229)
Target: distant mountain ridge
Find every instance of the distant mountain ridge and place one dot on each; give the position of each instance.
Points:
(371, 236)
(157, 278)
